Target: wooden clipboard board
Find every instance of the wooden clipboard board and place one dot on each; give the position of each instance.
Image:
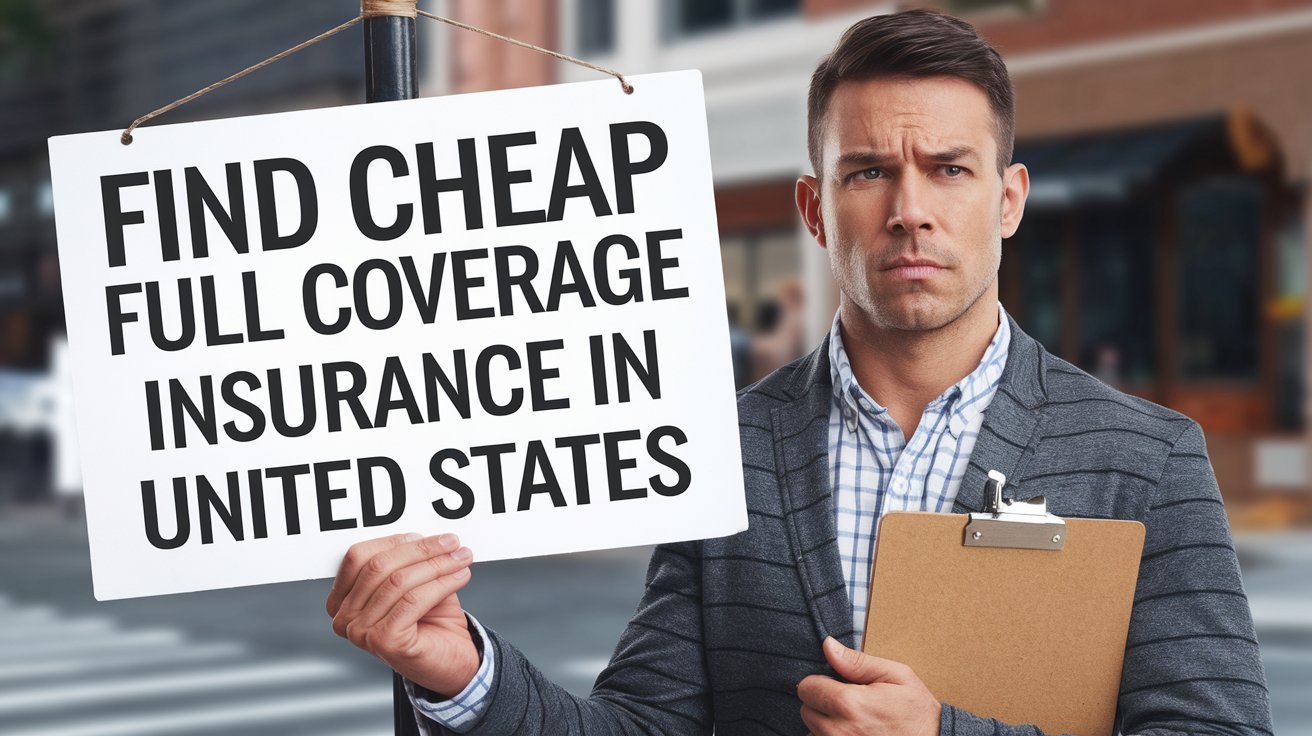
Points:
(1030, 631)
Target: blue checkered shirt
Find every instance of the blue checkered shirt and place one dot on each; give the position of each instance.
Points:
(459, 713)
(876, 470)
(872, 476)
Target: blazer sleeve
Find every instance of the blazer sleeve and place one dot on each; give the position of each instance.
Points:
(655, 683)
(1191, 657)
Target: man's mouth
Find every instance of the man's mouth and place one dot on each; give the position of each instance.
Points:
(913, 269)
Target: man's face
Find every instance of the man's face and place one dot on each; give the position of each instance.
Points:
(909, 201)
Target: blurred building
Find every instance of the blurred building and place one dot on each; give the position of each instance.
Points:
(71, 66)
(1164, 245)
(1163, 249)
(84, 65)
(1169, 142)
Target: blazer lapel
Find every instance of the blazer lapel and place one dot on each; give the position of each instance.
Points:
(801, 444)
(1005, 441)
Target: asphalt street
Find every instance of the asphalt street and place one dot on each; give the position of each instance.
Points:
(264, 661)
(261, 661)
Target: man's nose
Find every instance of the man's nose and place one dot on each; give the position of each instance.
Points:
(910, 207)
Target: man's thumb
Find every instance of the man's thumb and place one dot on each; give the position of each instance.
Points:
(859, 668)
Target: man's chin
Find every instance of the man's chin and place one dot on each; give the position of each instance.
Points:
(918, 323)
(916, 314)
(923, 310)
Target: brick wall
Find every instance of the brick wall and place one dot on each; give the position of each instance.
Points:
(481, 63)
(1267, 75)
(1059, 23)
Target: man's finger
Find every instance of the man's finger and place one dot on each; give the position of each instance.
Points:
(394, 634)
(822, 694)
(444, 656)
(862, 669)
(391, 590)
(388, 565)
(817, 723)
(410, 608)
(354, 560)
(374, 570)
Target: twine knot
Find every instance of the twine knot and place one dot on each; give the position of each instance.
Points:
(381, 8)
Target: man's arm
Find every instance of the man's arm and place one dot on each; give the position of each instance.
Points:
(402, 608)
(656, 680)
(1191, 660)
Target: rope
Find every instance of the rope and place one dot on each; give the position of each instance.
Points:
(368, 9)
(126, 138)
(624, 84)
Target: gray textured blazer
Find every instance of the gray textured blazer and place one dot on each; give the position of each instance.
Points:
(728, 627)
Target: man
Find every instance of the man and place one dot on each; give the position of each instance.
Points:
(923, 385)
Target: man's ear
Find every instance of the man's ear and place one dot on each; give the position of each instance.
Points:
(808, 206)
(1015, 189)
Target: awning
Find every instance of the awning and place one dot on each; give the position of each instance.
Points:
(1112, 165)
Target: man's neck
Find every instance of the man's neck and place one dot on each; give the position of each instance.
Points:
(904, 370)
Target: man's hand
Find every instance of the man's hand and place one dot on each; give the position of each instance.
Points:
(885, 697)
(395, 597)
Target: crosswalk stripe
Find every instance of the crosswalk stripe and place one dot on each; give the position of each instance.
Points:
(1286, 655)
(25, 615)
(1280, 612)
(589, 667)
(320, 705)
(130, 640)
(59, 628)
(112, 660)
(97, 690)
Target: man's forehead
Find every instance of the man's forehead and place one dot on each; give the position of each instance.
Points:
(933, 114)
(912, 95)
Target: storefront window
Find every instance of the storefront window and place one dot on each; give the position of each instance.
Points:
(1097, 265)
(1291, 287)
(1118, 292)
(596, 26)
(691, 17)
(1218, 225)
(1037, 249)
(967, 8)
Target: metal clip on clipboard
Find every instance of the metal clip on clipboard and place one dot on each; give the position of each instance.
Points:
(1013, 524)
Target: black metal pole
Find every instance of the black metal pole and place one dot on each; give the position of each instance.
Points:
(389, 74)
(389, 59)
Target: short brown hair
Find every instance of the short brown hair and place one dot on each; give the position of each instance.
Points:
(914, 44)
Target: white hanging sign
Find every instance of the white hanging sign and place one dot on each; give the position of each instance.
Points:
(497, 314)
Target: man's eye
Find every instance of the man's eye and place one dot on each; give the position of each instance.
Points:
(953, 170)
(869, 174)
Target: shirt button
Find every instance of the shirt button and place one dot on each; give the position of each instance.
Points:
(851, 420)
(900, 484)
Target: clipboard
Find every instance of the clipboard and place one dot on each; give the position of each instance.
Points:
(1013, 613)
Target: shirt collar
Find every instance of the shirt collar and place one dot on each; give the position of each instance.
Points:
(964, 399)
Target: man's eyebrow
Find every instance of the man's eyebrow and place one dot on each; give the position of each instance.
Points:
(863, 158)
(955, 153)
(875, 158)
